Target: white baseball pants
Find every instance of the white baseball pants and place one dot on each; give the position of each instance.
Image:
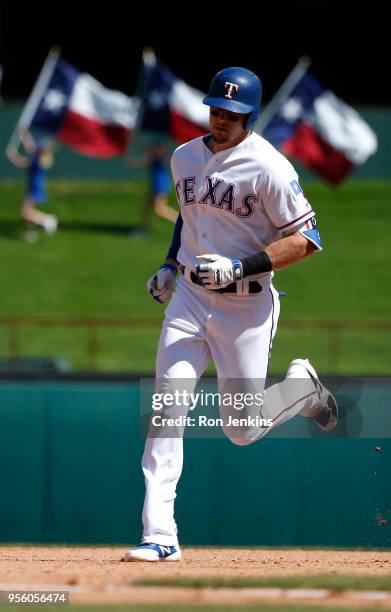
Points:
(236, 331)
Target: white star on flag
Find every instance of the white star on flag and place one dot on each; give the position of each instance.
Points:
(54, 100)
(292, 109)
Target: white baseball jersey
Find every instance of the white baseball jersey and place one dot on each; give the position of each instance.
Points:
(237, 201)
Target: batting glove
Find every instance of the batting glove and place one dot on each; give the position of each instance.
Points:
(219, 271)
(160, 286)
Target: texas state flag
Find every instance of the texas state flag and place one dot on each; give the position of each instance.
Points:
(170, 105)
(83, 114)
(314, 127)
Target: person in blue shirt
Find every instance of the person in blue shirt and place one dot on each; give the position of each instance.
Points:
(38, 158)
(157, 159)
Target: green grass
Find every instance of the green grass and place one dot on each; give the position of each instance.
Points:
(92, 267)
(330, 582)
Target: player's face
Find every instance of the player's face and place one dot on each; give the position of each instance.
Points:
(227, 128)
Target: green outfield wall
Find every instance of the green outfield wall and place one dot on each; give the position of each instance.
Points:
(70, 165)
(69, 473)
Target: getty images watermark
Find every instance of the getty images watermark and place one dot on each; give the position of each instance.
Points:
(232, 408)
(238, 401)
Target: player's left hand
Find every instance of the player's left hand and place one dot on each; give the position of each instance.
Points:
(161, 285)
(218, 271)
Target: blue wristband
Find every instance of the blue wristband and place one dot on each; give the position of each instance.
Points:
(168, 266)
(237, 268)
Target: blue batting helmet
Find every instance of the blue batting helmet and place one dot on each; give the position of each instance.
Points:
(238, 90)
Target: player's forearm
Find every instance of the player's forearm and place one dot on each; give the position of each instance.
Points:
(288, 250)
(277, 255)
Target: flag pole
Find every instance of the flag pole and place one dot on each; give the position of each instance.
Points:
(288, 85)
(35, 97)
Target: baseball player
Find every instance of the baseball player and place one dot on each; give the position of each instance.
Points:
(242, 215)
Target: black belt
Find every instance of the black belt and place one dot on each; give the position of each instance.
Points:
(253, 286)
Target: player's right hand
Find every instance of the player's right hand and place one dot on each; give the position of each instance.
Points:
(219, 271)
(161, 285)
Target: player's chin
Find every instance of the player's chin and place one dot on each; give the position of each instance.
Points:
(220, 136)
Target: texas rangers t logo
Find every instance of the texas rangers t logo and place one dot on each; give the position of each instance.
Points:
(231, 88)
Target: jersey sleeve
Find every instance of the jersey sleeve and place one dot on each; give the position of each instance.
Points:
(283, 199)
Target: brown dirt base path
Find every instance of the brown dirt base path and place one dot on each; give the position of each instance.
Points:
(95, 574)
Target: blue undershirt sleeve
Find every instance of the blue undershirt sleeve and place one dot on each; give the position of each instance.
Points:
(176, 239)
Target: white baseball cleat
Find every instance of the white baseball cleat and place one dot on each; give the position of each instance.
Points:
(327, 415)
(153, 552)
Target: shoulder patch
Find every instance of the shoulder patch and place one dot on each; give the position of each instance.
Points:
(295, 188)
